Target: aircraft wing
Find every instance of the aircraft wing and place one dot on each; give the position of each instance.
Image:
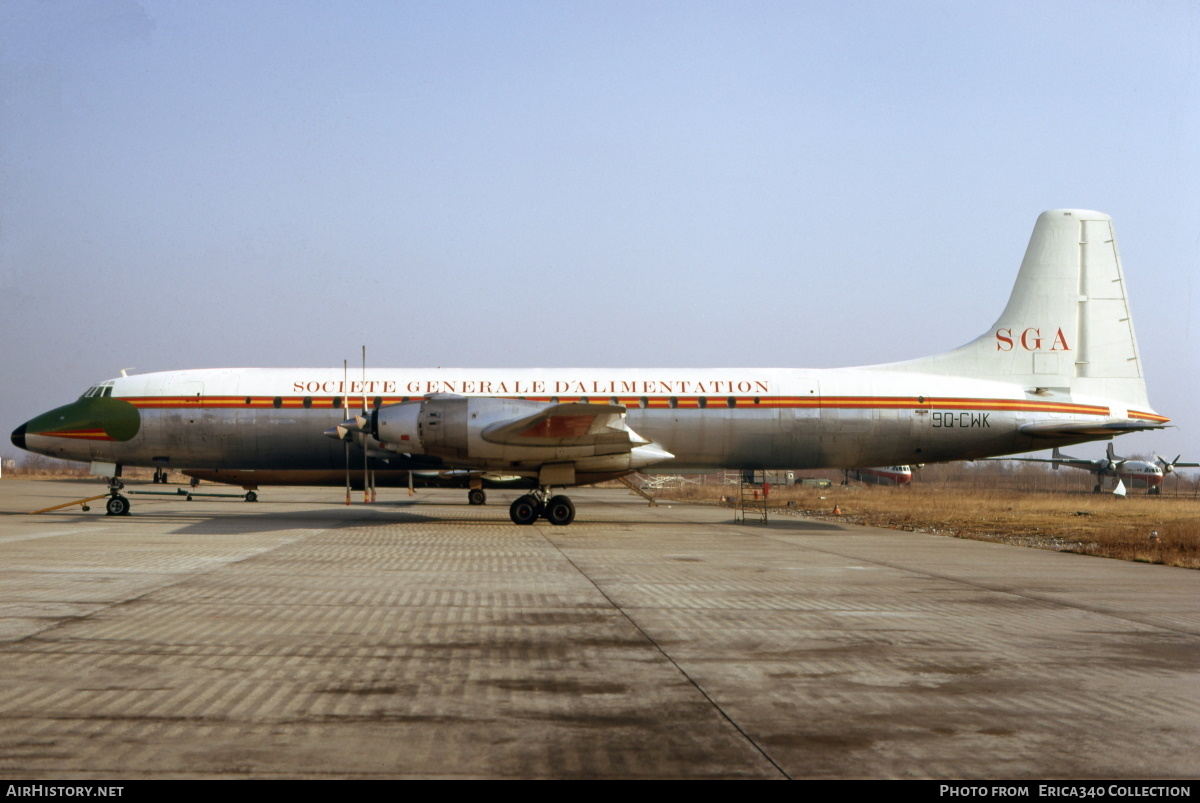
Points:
(1056, 429)
(569, 424)
(1075, 462)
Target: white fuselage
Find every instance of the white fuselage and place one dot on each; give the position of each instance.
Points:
(264, 418)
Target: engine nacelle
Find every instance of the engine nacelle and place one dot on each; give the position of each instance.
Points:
(445, 426)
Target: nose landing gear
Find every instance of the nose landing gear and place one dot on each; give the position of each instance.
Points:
(117, 505)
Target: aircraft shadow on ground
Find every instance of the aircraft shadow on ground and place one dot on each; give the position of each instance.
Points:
(309, 519)
(211, 518)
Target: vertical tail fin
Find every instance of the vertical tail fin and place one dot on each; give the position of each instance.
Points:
(1057, 455)
(1067, 326)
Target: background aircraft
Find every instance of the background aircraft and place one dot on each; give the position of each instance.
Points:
(1135, 473)
(882, 475)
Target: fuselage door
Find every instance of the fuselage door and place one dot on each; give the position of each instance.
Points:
(182, 419)
(800, 421)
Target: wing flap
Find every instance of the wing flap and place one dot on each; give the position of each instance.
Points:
(568, 424)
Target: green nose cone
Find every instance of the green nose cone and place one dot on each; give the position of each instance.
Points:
(99, 418)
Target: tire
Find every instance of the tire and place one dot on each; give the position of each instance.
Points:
(560, 511)
(524, 511)
(251, 496)
(117, 506)
(476, 496)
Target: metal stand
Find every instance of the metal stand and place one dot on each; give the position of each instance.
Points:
(751, 504)
(629, 484)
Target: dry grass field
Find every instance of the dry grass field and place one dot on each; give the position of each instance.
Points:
(1155, 529)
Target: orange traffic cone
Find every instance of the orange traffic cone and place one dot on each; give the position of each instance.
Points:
(837, 511)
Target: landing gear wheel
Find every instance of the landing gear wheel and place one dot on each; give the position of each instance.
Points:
(251, 496)
(1096, 490)
(476, 496)
(117, 506)
(525, 510)
(560, 511)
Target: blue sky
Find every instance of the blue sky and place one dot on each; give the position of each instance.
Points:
(577, 184)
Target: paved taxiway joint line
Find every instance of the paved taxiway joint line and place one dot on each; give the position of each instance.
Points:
(1000, 588)
(650, 639)
(9, 539)
(1021, 701)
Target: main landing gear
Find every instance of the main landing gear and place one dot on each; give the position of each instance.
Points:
(476, 496)
(558, 510)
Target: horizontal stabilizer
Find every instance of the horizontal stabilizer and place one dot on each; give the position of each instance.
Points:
(571, 424)
(1100, 429)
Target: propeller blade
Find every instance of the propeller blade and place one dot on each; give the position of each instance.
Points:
(367, 494)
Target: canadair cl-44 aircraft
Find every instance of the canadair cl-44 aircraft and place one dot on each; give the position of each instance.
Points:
(1138, 473)
(1059, 366)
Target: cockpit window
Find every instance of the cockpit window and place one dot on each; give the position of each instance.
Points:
(97, 390)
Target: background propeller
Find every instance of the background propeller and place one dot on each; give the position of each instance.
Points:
(1167, 466)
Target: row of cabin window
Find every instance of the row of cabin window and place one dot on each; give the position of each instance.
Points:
(377, 402)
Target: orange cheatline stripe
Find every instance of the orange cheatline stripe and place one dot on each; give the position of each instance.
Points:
(79, 434)
(661, 402)
(1148, 416)
(955, 403)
